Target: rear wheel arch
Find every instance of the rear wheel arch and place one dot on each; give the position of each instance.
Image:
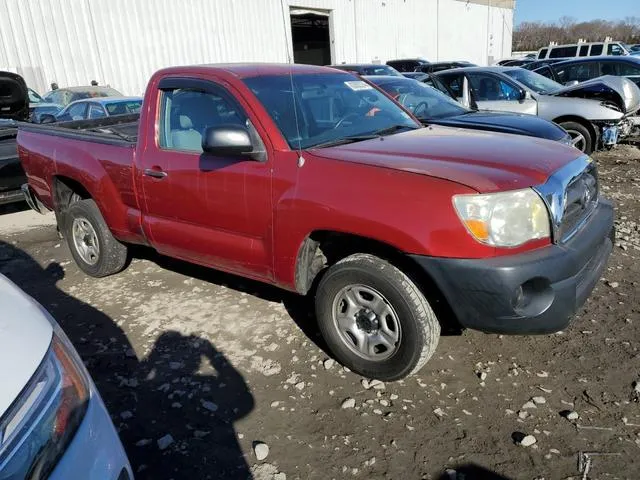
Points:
(66, 191)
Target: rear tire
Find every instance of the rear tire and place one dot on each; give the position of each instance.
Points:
(580, 135)
(93, 247)
(374, 319)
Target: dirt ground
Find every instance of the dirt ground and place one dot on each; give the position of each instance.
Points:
(220, 363)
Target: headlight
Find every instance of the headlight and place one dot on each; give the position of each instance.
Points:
(567, 140)
(42, 421)
(505, 219)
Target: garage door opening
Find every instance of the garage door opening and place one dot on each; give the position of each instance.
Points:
(311, 37)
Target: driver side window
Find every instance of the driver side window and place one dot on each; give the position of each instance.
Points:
(455, 82)
(186, 114)
(489, 88)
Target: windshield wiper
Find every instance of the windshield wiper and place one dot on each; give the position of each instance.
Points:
(393, 129)
(345, 140)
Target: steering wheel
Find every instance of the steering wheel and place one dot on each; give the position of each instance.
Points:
(345, 118)
(422, 105)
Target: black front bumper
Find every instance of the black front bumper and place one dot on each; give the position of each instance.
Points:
(529, 293)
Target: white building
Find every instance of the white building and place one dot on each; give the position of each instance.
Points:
(121, 42)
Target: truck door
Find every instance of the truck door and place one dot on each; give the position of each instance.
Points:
(210, 209)
(494, 93)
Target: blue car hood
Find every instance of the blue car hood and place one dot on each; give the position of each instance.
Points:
(505, 122)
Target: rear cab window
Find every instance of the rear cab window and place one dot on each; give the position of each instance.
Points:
(584, 50)
(543, 53)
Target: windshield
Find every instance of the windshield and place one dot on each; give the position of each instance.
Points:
(329, 107)
(381, 70)
(123, 108)
(100, 92)
(34, 97)
(534, 81)
(423, 101)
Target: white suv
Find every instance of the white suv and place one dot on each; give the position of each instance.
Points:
(589, 49)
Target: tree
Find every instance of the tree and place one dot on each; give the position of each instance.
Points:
(535, 35)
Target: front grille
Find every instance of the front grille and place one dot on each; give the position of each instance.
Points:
(580, 200)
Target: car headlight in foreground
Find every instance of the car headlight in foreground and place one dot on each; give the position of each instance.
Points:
(505, 219)
(36, 430)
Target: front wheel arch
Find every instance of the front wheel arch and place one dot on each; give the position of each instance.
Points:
(590, 127)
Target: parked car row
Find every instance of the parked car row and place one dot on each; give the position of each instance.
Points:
(596, 114)
(21, 104)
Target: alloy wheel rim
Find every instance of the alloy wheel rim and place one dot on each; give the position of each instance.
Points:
(578, 140)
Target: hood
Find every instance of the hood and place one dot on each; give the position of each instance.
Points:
(505, 122)
(25, 335)
(486, 162)
(620, 91)
(14, 97)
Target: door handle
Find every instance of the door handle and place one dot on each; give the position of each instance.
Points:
(152, 172)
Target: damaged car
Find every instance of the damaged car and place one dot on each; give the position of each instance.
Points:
(14, 106)
(596, 113)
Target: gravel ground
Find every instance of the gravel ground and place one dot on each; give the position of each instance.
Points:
(207, 375)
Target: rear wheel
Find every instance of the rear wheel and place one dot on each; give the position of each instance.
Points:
(580, 136)
(374, 319)
(94, 249)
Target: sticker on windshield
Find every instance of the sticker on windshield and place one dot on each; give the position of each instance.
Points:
(358, 85)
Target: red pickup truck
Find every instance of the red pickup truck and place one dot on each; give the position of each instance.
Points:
(313, 180)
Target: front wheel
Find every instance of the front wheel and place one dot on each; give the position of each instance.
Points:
(580, 136)
(93, 247)
(375, 320)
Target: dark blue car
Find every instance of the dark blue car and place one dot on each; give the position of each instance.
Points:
(431, 106)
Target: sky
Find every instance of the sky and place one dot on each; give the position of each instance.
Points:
(581, 10)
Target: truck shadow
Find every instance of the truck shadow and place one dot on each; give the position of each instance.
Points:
(300, 308)
(175, 408)
(470, 472)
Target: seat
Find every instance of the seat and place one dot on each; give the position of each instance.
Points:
(186, 137)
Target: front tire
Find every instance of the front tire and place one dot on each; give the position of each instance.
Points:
(93, 247)
(375, 320)
(580, 136)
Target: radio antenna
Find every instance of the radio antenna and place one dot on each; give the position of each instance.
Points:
(301, 159)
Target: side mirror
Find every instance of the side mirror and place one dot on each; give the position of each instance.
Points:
(525, 95)
(227, 140)
(47, 118)
(571, 83)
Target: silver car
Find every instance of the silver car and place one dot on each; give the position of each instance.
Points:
(595, 113)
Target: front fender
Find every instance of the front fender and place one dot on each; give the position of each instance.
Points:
(409, 212)
(553, 107)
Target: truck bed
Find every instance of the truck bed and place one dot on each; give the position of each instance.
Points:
(118, 130)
